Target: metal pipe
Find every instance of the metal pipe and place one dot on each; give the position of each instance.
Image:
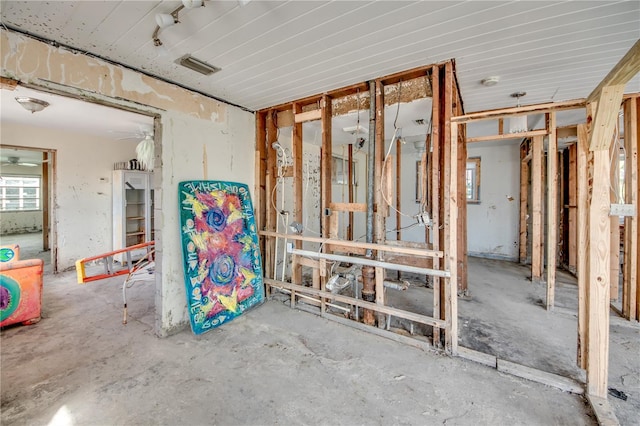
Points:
(368, 293)
(395, 286)
(287, 291)
(371, 164)
(369, 262)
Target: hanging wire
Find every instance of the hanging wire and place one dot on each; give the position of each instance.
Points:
(394, 139)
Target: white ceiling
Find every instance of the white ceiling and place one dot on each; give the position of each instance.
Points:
(272, 52)
(69, 114)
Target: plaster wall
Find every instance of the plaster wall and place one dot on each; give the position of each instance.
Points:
(82, 187)
(229, 145)
(190, 123)
(493, 224)
(24, 221)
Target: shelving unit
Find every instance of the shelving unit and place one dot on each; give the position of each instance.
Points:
(132, 210)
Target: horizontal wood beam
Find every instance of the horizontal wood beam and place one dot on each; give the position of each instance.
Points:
(399, 313)
(348, 207)
(621, 73)
(521, 110)
(314, 114)
(519, 135)
(381, 247)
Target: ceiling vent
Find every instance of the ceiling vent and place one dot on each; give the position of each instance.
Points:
(196, 65)
(419, 122)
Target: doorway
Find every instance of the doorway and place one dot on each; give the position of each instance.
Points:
(27, 202)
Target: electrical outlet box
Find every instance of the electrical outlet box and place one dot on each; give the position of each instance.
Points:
(622, 210)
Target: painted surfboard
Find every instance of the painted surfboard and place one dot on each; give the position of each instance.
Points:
(222, 265)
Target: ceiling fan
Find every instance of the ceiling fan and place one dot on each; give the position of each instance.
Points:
(15, 161)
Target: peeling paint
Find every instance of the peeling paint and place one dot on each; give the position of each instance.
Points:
(32, 61)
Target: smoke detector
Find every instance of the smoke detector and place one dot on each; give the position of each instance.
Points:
(490, 81)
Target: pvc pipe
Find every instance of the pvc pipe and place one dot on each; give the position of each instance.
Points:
(370, 262)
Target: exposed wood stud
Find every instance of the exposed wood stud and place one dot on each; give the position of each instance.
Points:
(583, 241)
(326, 163)
(271, 214)
(552, 209)
(524, 203)
(536, 211)
(599, 277)
(350, 178)
(630, 288)
(451, 292)
(298, 202)
(573, 210)
(379, 203)
(435, 192)
(615, 224)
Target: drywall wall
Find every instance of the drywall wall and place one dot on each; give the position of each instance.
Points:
(229, 146)
(492, 224)
(82, 187)
(190, 124)
(22, 221)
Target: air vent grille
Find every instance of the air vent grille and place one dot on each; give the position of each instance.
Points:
(196, 65)
(419, 122)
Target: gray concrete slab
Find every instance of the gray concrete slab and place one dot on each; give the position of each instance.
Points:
(274, 365)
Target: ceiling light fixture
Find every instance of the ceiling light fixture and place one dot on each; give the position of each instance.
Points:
(192, 4)
(518, 124)
(165, 20)
(490, 81)
(32, 104)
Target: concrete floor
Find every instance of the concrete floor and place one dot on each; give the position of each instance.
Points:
(274, 365)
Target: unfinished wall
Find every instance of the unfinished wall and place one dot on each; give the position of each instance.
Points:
(492, 225)
(20, 222)
(84, 164)
(190, 122)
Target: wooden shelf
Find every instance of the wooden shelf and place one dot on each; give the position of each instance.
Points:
(131, 234)
(135, 218)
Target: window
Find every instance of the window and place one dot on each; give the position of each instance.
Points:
(19, 193)
(473, 180)
(340, 170)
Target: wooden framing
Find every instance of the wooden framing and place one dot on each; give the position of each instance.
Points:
(552, 209)
(524, 202)
(630, 286)
(296, 138)
(573, 208)
(435, 190)
(537, 248)
(326, 163)
(583, 242)
(602, 115)
(434, 80)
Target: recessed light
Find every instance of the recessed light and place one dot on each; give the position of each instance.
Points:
(490, 81)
